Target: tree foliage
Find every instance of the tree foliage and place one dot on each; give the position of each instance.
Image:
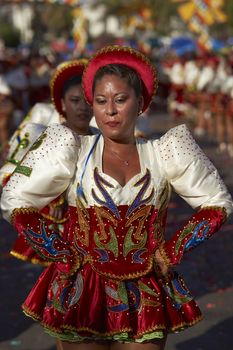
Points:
(9, 35)
(53, 19)
(161, 11)
(228, 9)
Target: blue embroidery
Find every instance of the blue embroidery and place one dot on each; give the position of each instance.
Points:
(136, 256)
(47, 241)
(119, 308)
(194, 239)
(103, 253)
(79, 249)
(177, 292)
(138, 201)
(134, 302)
(63, 297)
(131, 286)
(108, 200)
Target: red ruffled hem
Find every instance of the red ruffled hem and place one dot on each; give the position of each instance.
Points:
(90, 306)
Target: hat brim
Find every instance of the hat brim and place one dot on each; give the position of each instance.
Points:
(63, 73)
(122, 55)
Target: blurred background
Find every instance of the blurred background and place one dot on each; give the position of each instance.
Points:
(191, 45)
(36, 35)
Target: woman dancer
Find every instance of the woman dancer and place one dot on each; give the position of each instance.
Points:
(112, 284)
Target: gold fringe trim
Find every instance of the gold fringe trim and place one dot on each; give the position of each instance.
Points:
(128, 275)
(31, 314)
(32, 260)
(17, 211)
(186, 324)
(164, 255)
(86, 329)
(29, 210)
(67, 327)
(215, 207)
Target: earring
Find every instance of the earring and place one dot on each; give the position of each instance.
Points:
(140, 112)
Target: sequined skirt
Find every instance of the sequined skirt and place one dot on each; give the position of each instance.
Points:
(90, 307)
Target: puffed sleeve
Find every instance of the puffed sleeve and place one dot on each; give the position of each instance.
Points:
(44, 173)
(197, 181)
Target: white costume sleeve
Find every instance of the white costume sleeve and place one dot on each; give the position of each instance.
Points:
(190, 172)
(44, 173)
(19, 145)
(42, 113)
(206, 76)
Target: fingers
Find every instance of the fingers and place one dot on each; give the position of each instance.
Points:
(56, 212)
(161, 263)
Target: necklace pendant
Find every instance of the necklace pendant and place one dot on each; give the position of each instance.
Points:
(126, 162)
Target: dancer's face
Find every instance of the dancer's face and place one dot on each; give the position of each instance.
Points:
(116, 107)
(78, 112)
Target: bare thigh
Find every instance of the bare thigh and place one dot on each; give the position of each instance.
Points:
(59, 344)
(83, 346)
(157, 345)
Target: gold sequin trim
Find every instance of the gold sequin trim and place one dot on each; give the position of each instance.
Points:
(215, 207)
(18, 211)
(159, 327)
(127, 276)
(25, 258)
(184, 325)
(164, 255)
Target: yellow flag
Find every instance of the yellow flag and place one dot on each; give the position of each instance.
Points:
(219, 15)
(216, 3)
(206, 16)
(186, 11)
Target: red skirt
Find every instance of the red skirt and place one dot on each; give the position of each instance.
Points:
(88, 307)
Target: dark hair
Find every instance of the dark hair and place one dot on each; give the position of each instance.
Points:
(121, 71)
(75, 80)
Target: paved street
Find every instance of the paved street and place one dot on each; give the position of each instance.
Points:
(207, 270)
